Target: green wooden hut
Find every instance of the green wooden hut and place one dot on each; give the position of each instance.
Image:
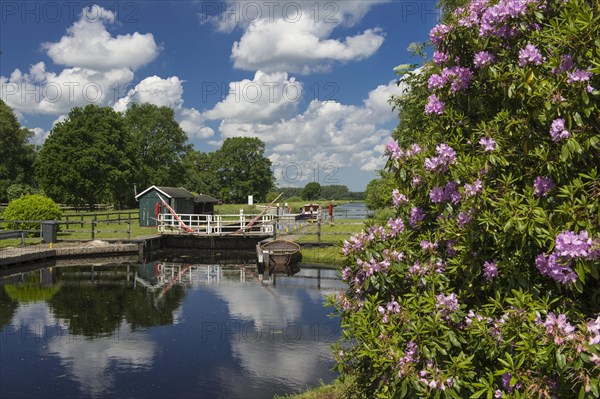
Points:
(178, 198)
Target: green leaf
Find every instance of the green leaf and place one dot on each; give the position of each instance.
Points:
(577, 119)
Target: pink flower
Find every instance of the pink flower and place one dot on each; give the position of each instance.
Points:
(434, 105)
(482, 59)
(558, 131)
(488, 143)
(530, 55)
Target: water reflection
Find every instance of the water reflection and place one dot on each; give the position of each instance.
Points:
(163, 329)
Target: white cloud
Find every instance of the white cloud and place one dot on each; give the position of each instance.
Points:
(101, 66)
(264, 99)
(89, 45)
(155, 90)
(39, 135)
(169, 93)
(299, 47)
(43, 92)
(327, 136)
(90, 361)
(294, 36)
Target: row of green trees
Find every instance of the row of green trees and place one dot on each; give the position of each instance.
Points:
(314, 190)
(97, 155)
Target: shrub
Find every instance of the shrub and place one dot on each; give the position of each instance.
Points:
(30, 208)
(486, 282)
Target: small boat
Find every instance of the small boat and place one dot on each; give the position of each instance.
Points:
(311, 212)
(279, 256)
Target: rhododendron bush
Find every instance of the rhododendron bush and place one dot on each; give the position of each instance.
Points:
(486, 282)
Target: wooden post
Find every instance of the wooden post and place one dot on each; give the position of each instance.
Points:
(119, 216)
(129, 230)
(319, 230)
(82, 221)
(67, 215)
(93, 229)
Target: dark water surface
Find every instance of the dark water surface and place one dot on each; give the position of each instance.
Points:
(164, 330)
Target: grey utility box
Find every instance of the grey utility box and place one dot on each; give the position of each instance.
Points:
(49, 231)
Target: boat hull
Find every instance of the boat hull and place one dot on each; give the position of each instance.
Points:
(279, 257)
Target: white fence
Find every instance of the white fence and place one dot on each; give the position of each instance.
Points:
(217, 224)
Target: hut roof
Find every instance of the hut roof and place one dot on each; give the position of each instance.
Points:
(169, 192)
(205, 198)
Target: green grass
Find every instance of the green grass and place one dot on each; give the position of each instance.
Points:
(330, 232)
(336, 390)
(331, 255)
(104, 229)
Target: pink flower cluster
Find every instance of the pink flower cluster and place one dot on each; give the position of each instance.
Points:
(530, 55)
(493, 19)
(558, 328)
(416, 216)
(483, 58)
(490, 270)
(473, 189)
(445, 156)
(421, 269)
(433, 378)
(392, 307)
(558, 131)
(396, 226)
(428, 245)
(446, 304)
(438, 33)
(458, 77)
(556, 268)
(410, 357)
(593, 327)
(398, 198)
(394, 151)
(434, 105)
(542, 185)
(439, 57)
(372, 266)
(448, 193)
(463, 218)
(488, 143)
(568, 245)
(572, 245)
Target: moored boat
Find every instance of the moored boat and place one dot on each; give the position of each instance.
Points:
(279, 256)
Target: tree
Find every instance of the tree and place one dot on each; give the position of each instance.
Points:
(312, 191)
(486, 283)
(85, 158)
(335, 192)
(378, 194)
(158, 144)
(200, 173)
(242, 169)
(16, 154)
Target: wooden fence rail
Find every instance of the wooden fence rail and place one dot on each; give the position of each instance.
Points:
(93, 230)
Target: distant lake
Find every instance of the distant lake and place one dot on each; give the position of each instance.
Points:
(164, 330)
(352, 210)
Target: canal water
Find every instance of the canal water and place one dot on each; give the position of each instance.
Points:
(164, 330)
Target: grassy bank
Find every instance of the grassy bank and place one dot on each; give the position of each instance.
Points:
(336, 390)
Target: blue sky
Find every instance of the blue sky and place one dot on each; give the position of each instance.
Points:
(309, 78)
